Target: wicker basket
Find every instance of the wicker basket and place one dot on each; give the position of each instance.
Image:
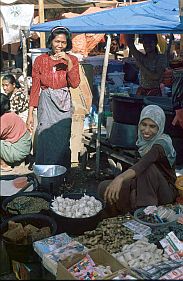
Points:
(179, 185)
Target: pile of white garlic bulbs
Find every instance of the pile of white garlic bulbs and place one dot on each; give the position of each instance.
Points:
(87, 206)
(140, 254)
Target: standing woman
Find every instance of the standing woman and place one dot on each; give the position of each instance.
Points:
(52, 75)
(18, 99)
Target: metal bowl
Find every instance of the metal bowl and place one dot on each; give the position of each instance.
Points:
(49, 177)
(49, 171)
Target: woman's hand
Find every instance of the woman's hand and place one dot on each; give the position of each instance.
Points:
(64, 56)
(113, 190)
(30, 123)
(61, 55)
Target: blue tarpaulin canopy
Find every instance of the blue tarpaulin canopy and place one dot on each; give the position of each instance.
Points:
(155, 16)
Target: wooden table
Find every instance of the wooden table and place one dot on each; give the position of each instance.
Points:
(117, 156)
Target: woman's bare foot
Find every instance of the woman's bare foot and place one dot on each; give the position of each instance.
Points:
(5, 167)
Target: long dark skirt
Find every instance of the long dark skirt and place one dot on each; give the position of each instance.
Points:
(149, 188)
(53, 133)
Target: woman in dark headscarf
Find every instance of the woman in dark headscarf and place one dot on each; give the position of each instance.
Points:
(52, 76)
(151, 181)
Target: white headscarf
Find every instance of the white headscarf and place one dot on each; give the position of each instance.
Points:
(156, 114)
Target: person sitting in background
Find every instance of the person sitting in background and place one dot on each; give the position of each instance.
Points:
(151, 64)
(18, 100)
(14, 136)
(115, 46)
(151, 181)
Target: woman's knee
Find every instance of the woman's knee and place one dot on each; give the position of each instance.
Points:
(102, 187)
(152, 173)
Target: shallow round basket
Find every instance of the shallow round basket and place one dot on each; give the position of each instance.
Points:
(139, 211)
(179, 185)
(8, 212)
(77, 226)
(25, 252)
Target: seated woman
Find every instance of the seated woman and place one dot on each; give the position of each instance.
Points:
(151, 64)
(18, 99)
(151, 181)
(14, 138)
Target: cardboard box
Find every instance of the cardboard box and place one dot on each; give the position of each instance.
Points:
(99, 255)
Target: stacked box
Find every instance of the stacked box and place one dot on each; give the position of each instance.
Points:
(99, 256)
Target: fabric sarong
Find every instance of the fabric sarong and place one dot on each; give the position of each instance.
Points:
(15, 152)
(54, 128)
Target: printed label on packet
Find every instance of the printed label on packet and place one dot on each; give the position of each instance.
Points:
(150, 210)
(174, 274)
(178, 244)
(138, 228)
(137, 236)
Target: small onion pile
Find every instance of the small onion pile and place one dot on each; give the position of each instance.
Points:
(85, 207)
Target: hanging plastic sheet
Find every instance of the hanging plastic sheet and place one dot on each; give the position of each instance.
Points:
(19, 17)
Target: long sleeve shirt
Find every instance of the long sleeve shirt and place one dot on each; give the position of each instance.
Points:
(44, 76)
(157, 156)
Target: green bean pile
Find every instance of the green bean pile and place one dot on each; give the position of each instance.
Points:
(27, 205)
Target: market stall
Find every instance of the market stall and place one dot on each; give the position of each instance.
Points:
(65, 244)
(142, 245)
(149, 17)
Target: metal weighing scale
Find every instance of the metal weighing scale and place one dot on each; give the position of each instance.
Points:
(49, 177)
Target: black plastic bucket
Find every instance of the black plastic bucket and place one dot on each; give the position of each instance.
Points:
(127, 110)
(25, 253)
(123, 135)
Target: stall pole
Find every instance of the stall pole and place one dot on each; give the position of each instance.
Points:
(181, 10)
(169, 49)
(41, 20)
(24, 48)
(181, 20)
(101, 102)
(181, 45)
(9, 56)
